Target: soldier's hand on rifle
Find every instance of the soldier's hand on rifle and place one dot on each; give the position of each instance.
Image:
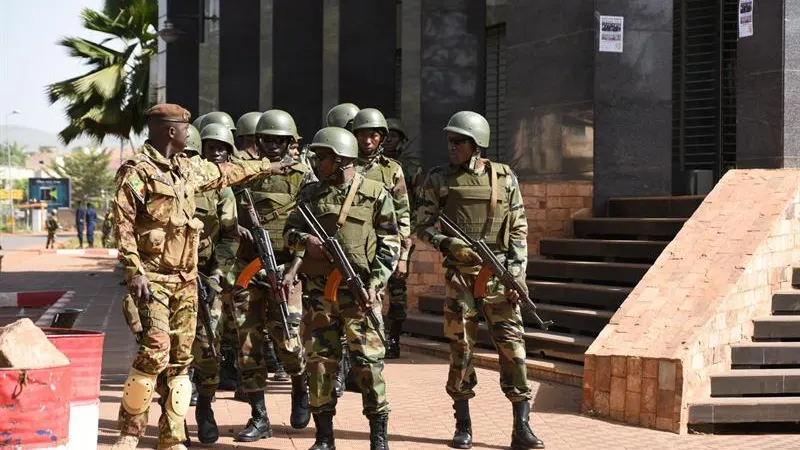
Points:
(139, 286)
(279, 167)
(462, 252)
(513, 296)
(402, 269)
(244, 234)
(316, 248)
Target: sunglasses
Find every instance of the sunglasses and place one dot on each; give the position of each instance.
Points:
(457, 141)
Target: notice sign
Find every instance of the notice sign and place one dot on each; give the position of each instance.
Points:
(611, 31)
(745, 18)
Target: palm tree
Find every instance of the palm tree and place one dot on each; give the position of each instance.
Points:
(111, 98)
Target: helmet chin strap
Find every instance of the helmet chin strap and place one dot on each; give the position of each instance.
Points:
(473, 160)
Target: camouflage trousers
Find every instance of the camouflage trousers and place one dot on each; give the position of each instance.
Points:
(165, 345)
(254, 312)
(504, 321)
(326, 323)
(206, 367)
(398, 299)
(51, 240)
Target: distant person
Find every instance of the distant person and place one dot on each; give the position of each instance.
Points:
(108, 230)
(80, 221)
(52, 227)
(91, 223)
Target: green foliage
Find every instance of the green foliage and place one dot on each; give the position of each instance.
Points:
(88, 170)
(18, 155)
(111, 98)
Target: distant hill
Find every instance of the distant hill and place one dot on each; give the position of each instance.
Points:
(32, 139)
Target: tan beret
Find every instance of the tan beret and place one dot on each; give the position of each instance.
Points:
(169, 112)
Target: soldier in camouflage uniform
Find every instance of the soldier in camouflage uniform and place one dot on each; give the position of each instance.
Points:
(256, 309)
(365, 224)
(371, 131)
(216, 252)
(463, 190)
(157, 240)
(108, 230)
(246, 130)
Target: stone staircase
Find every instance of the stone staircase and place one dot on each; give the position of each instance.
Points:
(763, 384)
(580, 281)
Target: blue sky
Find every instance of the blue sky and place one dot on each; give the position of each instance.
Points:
(30, 58)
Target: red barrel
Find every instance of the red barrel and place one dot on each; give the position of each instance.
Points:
(84, 349)
(34, 407)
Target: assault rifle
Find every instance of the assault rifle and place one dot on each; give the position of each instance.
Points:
(493, 267)
(206, 293)
(343, 269)
(265, 260)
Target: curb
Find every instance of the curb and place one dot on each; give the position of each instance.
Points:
(29, 299)
(81, 252)
(46, 319)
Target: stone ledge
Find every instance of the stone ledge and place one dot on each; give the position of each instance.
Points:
(676, 327)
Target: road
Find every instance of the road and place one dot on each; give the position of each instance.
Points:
(18, 242)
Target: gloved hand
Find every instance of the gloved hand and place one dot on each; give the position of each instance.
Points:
(462, 252)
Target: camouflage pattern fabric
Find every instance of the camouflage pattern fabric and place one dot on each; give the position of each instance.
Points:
(461, 310)
(165, 346)
(326, 323)
(206, 367)
(52, 227)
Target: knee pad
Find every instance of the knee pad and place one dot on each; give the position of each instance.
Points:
(180, 394)
(138, 392)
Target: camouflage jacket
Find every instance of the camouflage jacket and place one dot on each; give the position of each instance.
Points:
(218, 242)
(156, 232)
(509, 234)
(388, 172)
(52, 224)
(369, 235)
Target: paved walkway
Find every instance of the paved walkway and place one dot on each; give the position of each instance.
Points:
(421, 416)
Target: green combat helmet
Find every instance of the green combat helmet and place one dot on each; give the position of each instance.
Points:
(470, 124)
(277, 122)
(218, 132)
(194, 144)
(395, 125)
(219, 117)
(246, 125)
(370, 118)
(339, 140)
(341, 115)
(198, 123)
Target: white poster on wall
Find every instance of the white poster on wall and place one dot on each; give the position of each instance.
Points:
(745, 18)
(611, 33)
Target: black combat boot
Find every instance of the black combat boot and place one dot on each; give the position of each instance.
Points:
(522, 437)
(269, 355)
(228, 379)
(378, 432)
(462, 438)
(300, 415)
(258, 427)
(207, 430)
(324, 437)
(280, 373)
(393, 343)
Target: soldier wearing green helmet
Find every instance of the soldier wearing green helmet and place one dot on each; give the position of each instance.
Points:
(367, 231)
(246, 129)
(198, 122)
(221, 118)
(469, 183)
(371, 131)
(216, 254)
(342, 115)
(260, 324)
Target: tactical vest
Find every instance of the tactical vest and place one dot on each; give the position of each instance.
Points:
(356, 236)
(167, 233)
(206, 211)
(381, 169)
(274, 197)
(467, 201)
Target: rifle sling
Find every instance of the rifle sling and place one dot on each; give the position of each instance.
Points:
(492, 207)
(348, 201)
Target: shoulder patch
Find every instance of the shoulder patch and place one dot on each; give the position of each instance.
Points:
(137, 188)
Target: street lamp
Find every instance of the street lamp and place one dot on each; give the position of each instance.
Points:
(8, 172)
(170, 33)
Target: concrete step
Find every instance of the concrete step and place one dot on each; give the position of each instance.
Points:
(786, 328)
(595, 296)
(796, 277)
(636, 228)
(751, 382)
(745, 409)
(580, 271)
(765, 354)
(672, 206)
(599, 249)
(786, 302)
(537, 342)
(566, 318)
